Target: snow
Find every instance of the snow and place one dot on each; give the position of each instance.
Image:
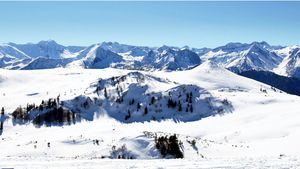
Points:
(292, 163)
(291, 62)
(236, 57)
(261, 131)
(243, 57)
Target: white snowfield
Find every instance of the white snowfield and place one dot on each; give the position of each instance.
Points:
(262, 130)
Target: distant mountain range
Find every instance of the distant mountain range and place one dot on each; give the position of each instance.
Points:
(237, 57)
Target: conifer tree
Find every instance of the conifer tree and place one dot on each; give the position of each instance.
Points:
(1, 123)
(58, 99)
(128, 115)
(105, 93)
(179, 106)
(152, 100)
(138, 106)
(146, 111)
(191, 96)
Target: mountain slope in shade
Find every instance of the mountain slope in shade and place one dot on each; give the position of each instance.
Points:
(46, 63)
(288, 84)
(7, 50)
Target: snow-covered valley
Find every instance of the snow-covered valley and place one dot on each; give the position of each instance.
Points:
(228, 121)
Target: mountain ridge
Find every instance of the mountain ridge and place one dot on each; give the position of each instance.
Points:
(235, 56)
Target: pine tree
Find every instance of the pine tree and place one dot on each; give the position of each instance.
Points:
(118, 91)
(179, 106)
(41, 107)
(105, 93)
(128, 115)
(1, 123)
(2, 111)
(138, 106)
(58, 99)
(146, 111)
(169, 103)
(152, 100)
(187, 97)
(191, 96)
(38, 120)
(131, 102)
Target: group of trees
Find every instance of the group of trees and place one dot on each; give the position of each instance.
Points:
(121, 153)
(49, 112)
(170, 104)
(131, 102)
(263, 90)
(169, 146)
(173, 104)
(23, 113)
(55, 116)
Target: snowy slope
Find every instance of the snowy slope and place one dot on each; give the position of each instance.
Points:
(9, 50)
(243, 57)
(169, 58)
(258, 126)
(290, 66)
(19, 56)
(47, 48)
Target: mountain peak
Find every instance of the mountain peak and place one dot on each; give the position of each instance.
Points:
(110, 43)
(261, 44)
(48, 42)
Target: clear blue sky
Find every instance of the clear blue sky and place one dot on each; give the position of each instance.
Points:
(197, 24)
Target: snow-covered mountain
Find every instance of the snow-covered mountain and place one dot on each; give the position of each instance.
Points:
(36, 56)
(96, 57)
(106, 54)
(49, 49)
(240, 57)
(170, 59)
(135, 57)
(290, 66)
(237, 57)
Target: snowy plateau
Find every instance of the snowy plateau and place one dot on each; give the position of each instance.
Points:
(111, 105)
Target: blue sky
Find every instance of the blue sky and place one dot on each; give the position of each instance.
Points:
(197, 24)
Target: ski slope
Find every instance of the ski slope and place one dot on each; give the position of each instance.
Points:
(262, 130)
